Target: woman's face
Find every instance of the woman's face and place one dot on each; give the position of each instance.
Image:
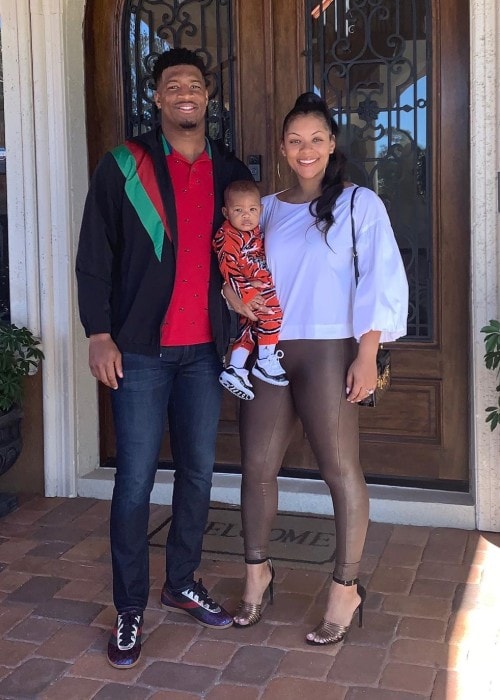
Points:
(307, 145)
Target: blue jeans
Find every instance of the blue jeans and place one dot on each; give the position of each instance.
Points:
(183, 384)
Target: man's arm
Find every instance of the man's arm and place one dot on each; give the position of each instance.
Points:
(94, 265)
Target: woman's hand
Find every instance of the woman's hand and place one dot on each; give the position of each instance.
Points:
(256, 306)
(362, 374)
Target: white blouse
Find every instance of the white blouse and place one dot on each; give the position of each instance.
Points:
(315, 282)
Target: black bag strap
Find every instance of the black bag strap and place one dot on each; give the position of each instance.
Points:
(353, 231)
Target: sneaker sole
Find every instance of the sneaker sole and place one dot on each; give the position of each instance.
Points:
(186, 612)
(244, 394)
(122, 667)
(269, 380)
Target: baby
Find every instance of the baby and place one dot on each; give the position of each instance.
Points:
(239, 245)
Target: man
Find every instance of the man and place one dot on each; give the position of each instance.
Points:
(150, 302)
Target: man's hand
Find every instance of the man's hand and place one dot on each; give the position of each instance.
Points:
(105, 360)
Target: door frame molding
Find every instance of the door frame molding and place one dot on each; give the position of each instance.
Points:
(70, 425)
(485, 252)
(47, 182)
(103, 65)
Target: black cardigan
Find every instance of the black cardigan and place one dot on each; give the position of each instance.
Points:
(123, 289)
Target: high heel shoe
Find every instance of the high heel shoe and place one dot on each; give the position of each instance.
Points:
(331, 632)
(251, 613)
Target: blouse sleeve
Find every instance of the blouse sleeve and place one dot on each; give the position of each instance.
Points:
(381, 297)
(265, 211)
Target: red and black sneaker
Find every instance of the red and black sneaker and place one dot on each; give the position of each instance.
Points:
(196, 602)
(124, 646)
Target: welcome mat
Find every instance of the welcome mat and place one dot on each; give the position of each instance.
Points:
(299, 541)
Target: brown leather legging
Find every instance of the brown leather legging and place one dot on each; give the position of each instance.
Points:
(317, 372)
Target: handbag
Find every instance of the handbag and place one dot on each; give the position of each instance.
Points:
(383, 355)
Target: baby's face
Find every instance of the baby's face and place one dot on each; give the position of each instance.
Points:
(243, 210)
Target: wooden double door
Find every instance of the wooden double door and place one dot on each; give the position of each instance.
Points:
(419, 433)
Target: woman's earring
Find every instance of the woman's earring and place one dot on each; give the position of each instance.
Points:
(278, 170)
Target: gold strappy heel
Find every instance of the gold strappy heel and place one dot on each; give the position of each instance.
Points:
(251, 613)
(332, 633)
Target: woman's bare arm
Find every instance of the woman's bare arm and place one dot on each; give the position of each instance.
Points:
(258, 303)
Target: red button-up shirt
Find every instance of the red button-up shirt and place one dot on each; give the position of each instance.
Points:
(187, 321)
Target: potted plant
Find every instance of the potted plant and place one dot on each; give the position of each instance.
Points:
(20, 355)
(492, 361)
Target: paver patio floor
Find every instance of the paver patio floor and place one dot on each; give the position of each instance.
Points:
(432, 620)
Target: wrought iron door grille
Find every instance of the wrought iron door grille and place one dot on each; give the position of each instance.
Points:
(153, 26)
(371, 61)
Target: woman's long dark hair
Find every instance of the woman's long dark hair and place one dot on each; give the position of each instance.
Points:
(332, 184)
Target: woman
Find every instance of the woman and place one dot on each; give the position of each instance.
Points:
(309, 250)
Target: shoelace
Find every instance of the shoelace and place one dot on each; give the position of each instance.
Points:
(201, 594)
(127, 629)
(274, 360)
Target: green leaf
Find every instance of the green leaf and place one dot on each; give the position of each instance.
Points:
(491, 342)
(494, 327)
(20, 354)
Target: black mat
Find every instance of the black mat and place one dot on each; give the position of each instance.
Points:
(299, 541)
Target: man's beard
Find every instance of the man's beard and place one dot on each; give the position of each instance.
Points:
(188, 125)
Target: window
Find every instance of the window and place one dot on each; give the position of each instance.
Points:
(371, 61)
(153, 26)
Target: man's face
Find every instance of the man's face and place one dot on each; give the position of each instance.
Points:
(182, 97)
